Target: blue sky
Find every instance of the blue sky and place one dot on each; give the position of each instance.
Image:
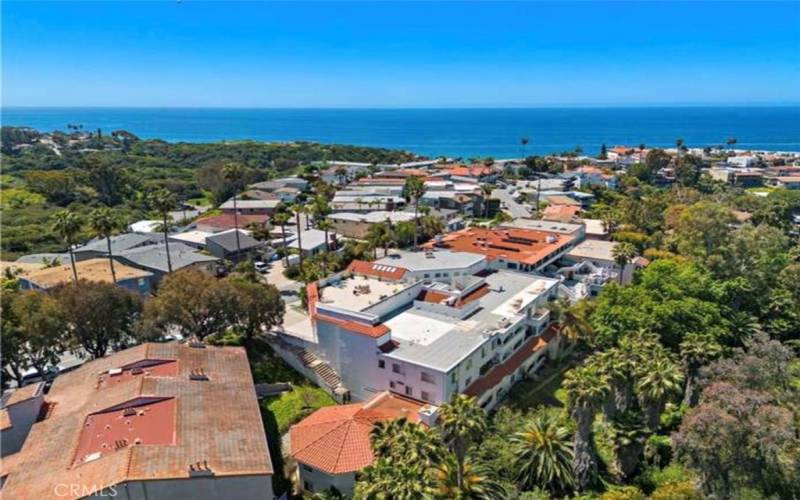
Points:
(268, 54)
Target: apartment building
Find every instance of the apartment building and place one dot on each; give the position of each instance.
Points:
(427, 339)
(153, 421)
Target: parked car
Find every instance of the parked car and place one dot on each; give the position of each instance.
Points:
(261, 266)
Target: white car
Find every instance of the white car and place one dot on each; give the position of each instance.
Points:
(261, 266)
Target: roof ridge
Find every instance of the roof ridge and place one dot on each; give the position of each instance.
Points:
(341, 423)
(344, 440)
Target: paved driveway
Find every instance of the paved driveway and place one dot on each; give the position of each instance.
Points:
(517, 210)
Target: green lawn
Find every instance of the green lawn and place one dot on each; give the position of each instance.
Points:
(546, 390)
(291, 407)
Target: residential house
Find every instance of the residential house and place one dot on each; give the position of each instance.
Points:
(333, 444)
(250, 207)
(98, 270)
(561, 213)
(99, 247)
(172, 420)
(357, 225)
(788, 182)
(153, 258)
(430, 265)
(224, 245)
(226, 222)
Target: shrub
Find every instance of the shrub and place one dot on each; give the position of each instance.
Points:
(678, 490)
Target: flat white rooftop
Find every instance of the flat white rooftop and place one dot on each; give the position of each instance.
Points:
(594, 249)
(417, 328)
(438, 260)
(358, 293)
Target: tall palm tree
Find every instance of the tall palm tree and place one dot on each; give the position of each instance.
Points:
(461, 423)
(234, 174)
(163, 201)
(67, 224)
(401, 440)
(299, 209)
(544, 455)
(623, 253)
(380, 236)
(476, 481)
(587, 390)
(281, 218)
(414, 189)
(325, 225)
(104, 224)
(629, 437)
(618, 367)
(341, 173)
(524, 141)
(660, 379)
(697, 350)
(487, 193)
(575, 323)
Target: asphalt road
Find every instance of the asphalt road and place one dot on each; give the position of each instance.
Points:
(516, 209)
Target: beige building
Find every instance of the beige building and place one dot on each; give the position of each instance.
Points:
(356, 225)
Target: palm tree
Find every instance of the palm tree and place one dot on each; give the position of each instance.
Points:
(574, 322)
(341, 173)
(697, 350)
(387, 479)
(414, 189)
(524, 141)
(679, 145)
(629, 437)
(163, 201)
(67, 224)
(660, 378)
(618, 366)
(325, 225)
(487, 193)
(731, 141)
(461, 422)
(380, 235)
(476, 481)
(587, 390)
(544, 455)
(281, 218)
(298, 209)
(401, 440)
(234, 174)
(104, 224)
(623, 253)
(610, 223)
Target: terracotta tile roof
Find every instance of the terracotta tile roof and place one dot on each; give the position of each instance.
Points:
(560, 199)
(216, 420)
(509, 366)
(471, 171)
(336, 439)
(382, 271)
(561, 213)
(374, 331)
(528, 246)
(91, 270)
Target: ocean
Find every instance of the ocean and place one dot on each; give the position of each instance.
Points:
(465, 133)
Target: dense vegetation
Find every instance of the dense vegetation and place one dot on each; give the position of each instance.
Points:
(119, 170)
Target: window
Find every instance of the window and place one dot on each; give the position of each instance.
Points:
(427, 275)
(453, 377)
(426, 377)
(426, 396)
(381, 364)
(483, 352)
(438, 275)
(468, 365)
(409, 390)
(395, 368)
(468, 381)
(308, 486)
(391, 385)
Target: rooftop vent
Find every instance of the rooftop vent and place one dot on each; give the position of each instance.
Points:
(115, 371)
(120, 443)
(129, 412)
(196, 343)
(200, 469)
(198, 374)
(137, 371)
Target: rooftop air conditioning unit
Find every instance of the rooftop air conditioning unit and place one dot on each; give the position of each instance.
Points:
(115, 371)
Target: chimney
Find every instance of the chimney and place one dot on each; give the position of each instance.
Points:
(428, 415)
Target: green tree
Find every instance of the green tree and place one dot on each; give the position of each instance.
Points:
(325, 225)
(234, 174)
(544, 455)
(623, 253)
(67, 224)
(380, 235)
(697, 350)
(587, 388)
(41, 328)
(659, 379)
(414, 189)
(462, 423)
(105, 224)
(163, 201)
(471, 481)
(98, 316)
(703, 228)
(258, 309)
(193, 302)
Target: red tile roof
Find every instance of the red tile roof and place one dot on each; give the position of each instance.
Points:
(381, 271)
(528, 246)
(336, 439)
(471, 171)
(216, 421)
(374, 331)
(509, 366)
